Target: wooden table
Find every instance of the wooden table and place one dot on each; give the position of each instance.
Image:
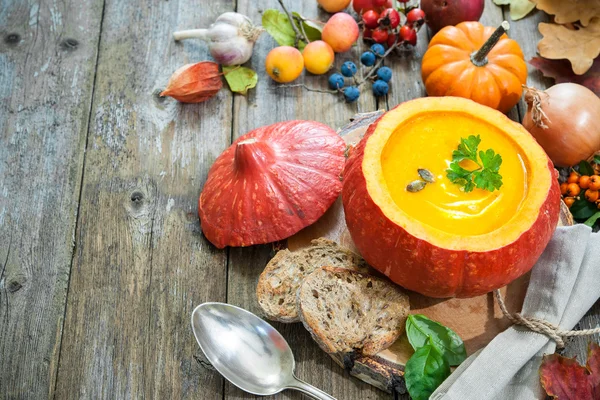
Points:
(101, 255)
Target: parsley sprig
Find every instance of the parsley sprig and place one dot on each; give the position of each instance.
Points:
(485, 177)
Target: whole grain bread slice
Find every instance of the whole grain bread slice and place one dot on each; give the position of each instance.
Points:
(350, 313)
(283, 275)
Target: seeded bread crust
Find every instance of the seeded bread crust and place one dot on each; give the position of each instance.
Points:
(283, 275)
(349, 313)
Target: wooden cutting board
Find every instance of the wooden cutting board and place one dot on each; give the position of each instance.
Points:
(477, 320)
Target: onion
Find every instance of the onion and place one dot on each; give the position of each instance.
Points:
(565, 120)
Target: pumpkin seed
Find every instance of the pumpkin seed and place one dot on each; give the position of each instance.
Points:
(426, 175)
(416, 186)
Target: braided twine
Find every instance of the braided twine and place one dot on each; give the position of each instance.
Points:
(540, 326)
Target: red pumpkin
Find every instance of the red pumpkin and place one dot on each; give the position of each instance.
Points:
(270, 183)
(456, 254)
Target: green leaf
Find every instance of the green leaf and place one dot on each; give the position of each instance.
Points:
(485, 177)
(592, 220)
(467, 149)
(518, 8)
(425, 371)
(490, 160)
(240, 79)
(460, 176)
(420, 329)
(583, 209)
(585, 168)
(597, 159)
(278, 25)
(312, 29)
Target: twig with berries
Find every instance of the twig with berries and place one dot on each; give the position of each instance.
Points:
(383, 28)
(388, 21)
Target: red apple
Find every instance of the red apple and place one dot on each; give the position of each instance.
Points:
(441, 13)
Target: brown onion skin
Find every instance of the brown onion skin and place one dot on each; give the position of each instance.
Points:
(573, 132)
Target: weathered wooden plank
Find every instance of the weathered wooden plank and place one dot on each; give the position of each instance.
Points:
(141, 263)
(406, 83)
(47, 64)
(265, 105)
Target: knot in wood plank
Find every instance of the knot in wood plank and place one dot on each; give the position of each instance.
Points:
(12, 39)
(140, 205)
(69, 44)
(14, 284)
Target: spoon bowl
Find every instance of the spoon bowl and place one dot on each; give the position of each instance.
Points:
(247, 351)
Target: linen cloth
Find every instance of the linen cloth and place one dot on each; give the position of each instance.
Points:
(564, 285)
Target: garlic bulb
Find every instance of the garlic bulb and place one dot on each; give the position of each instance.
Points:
(230, 39)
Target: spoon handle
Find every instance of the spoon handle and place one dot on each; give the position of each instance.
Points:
(310, 390)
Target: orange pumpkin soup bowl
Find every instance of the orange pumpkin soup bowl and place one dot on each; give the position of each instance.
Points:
(442, 241)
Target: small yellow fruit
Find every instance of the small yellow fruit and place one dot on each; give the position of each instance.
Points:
(318, 57)
(333, 6)
(284, 64)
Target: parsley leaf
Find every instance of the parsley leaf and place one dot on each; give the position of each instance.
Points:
(485, 177)
(467, 149)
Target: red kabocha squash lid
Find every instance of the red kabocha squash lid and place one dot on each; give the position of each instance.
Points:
(271, 183)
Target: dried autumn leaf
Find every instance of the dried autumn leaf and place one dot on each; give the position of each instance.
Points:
(194, 83)
(566, 11)
(561, 71)
(518, 8)
(564, 379)
(579, 46)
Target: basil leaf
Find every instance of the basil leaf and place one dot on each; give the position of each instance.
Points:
(420, 329)
(240, 79)
(583, 209)
(585, 168)
(425, 371)
(592, 220)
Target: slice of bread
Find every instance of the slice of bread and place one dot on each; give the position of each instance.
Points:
(283, 275)
(349, 313)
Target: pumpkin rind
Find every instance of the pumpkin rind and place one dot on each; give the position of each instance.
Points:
(447, 69)
(270, 183)
(433, 270)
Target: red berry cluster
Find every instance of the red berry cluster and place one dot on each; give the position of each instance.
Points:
(384, 27)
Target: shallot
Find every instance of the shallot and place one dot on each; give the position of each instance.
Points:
(230, 38)
(564, 120)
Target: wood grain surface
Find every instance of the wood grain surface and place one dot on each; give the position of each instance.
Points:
(101, 255)
(47, 66)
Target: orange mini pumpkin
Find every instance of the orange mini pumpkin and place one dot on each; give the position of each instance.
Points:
(476, 62)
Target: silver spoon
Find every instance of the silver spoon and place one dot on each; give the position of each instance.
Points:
(247, 351)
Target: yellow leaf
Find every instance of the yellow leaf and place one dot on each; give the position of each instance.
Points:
(518, 8)
(566, 11)
(579, 46)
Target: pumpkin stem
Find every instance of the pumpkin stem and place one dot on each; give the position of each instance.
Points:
(251, 153)
(533, 98)
(479, 58)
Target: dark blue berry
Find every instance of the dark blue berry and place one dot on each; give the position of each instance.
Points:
(349, 69)
(336, 81)
(367, 58)
(380, 88)
(378, 49)
(384, 73)
(351, 94)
